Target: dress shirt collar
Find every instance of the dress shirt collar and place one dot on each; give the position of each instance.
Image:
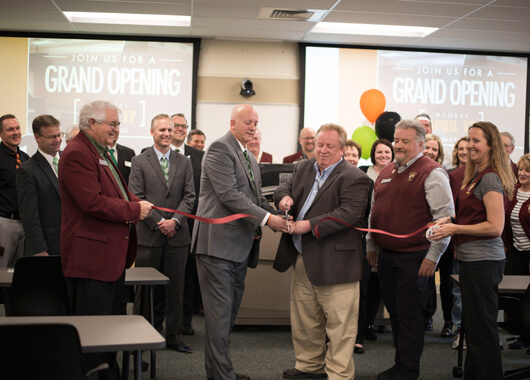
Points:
(49, 158)
(404, 167)
(159, 154)
(99, 147)
(181, 148)
(326, 172)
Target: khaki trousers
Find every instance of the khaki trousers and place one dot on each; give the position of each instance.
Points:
(317, 311)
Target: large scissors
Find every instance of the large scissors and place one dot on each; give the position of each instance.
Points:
(286, 217)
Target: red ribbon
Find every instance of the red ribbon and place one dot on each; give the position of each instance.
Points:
(223, 220)
(372, 230)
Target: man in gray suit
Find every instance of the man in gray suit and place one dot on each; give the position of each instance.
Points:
(230, 184)
(326, 257)
(39, 200)
(164, 178)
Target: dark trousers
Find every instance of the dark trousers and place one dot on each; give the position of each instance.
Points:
(93, 297)
(405, 297)
(168, 299)
(479, 282)
(520, 262)
(445, 267)
(191, 288)
(374, 298)
(222, 286)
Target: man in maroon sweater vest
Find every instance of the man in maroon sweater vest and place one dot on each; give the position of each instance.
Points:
(408, 194)
(307, 142)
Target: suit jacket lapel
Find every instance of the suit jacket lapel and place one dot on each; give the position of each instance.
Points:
(48, 171)
(243, 160)
(152, 158)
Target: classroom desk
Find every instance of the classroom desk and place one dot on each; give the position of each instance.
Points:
(145, 276)
(508, 285)
(133, 276)
(106, 333)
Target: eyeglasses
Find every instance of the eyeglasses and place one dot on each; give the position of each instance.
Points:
(307, 138)
(53, 137)
(114, 124)
(183, 126)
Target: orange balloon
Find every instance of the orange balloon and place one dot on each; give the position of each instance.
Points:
(373, 104)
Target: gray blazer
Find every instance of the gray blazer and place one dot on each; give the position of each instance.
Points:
(147, 182)
(336, 257)
(226, 189)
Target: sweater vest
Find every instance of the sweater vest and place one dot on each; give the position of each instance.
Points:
(265, 158)
(471, 210)
(400, 206)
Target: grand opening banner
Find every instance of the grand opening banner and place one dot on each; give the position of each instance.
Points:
(144, 78)
(454, 89)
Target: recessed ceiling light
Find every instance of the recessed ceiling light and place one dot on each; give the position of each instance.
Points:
(372, 29)
(128, 19)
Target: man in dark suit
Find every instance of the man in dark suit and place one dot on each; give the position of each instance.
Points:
(307, 142)
(121, 155)
(98, 236)
(230, 184)
(192, 296)
(326, 257)
(39, 199)
(164, 177)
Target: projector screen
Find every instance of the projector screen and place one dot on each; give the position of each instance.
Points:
(143, 78)
(454, 89)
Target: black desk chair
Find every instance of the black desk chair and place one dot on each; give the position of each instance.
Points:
(38, 288)
(42, 351)
(522, 373)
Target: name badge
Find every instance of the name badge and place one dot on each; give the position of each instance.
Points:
(386, 180)
(103, 162)
(127, 163)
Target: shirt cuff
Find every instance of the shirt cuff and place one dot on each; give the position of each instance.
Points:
(264, 220)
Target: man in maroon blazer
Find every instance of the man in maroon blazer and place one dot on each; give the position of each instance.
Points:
(98, 237)
(254, 146)
(307, 142)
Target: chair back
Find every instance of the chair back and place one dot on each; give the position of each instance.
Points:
(41, 351)
(38, 288)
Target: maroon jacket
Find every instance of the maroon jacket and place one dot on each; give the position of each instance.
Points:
(98, 238)
(524, 219)
(293, 158)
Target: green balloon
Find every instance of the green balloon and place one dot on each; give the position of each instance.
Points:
(365, 136)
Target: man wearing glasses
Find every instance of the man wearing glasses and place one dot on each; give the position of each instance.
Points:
(98, 235)
(307, 142)
(192, 296)
(39, 200)
(11, 157)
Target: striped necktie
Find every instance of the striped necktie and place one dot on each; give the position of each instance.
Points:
(257, 232)
(165, 167)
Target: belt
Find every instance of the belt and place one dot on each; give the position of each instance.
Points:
(8, 215)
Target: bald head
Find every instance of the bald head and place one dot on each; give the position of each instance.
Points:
(243, 123)
(307, 141)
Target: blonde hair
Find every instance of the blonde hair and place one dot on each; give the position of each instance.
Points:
(498, 159)
(429, 137)
(524, 161)
(456, 160)
(337, 128)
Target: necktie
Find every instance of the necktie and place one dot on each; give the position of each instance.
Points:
(257, 232)
(56, 164)
(165, 167)
(17, 157)
(111, 151)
